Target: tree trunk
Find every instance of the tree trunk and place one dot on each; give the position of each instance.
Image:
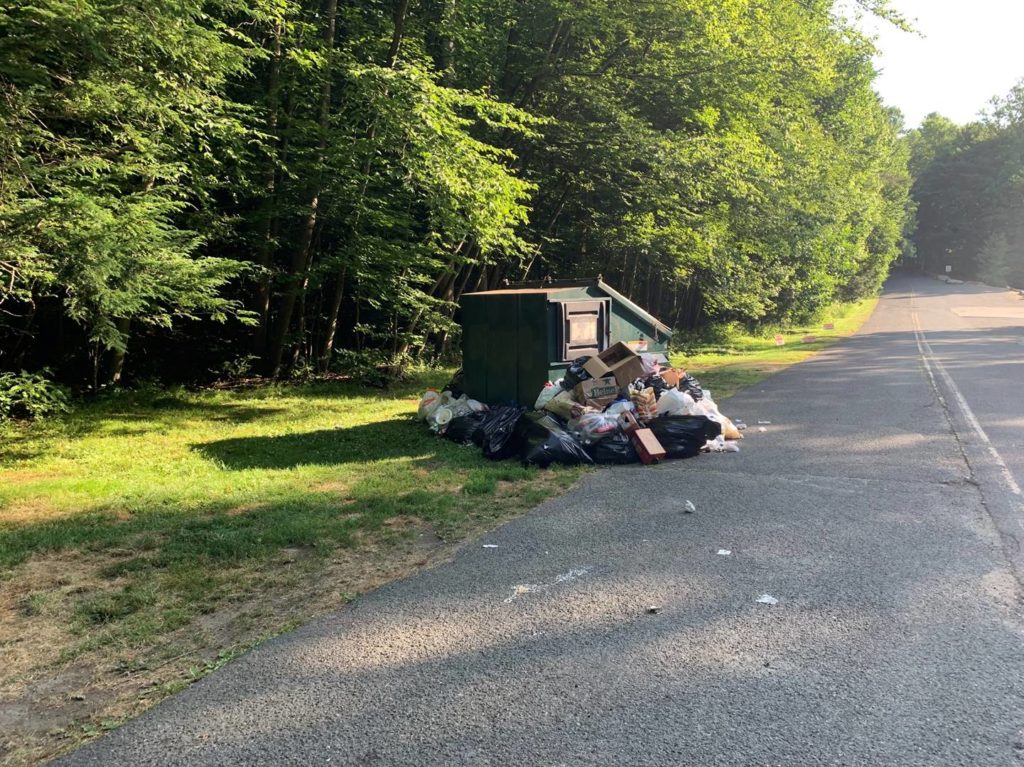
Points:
(448, 44)
(401, 11)
(265, 256)
(397, 35)
(117, 355)
(301, 255)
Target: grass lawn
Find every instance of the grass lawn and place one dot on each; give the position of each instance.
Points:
(149, 538)
(727, 365)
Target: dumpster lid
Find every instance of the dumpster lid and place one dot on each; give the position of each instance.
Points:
(558, 286)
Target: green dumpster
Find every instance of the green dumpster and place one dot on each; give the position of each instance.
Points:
(517, 338)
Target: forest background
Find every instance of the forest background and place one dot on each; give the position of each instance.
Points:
(200, 189)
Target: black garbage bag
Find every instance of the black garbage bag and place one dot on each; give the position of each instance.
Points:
(545, 441)
(616, 448)
(498, 435)
(683, 436)
(457, 385)
(691, 386)
(657, 383)
(466, 428)
(575, 374)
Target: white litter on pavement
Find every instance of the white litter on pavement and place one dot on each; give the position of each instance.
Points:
(689, 508)
(724, 553)
(767, 599)
(523, 589)
(490, 546)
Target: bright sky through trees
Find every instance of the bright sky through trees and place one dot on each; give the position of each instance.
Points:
(966, 53)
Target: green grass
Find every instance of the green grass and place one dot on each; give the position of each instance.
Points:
(734, 360)
(183, 498)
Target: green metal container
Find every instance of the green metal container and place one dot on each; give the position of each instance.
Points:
(517, 338)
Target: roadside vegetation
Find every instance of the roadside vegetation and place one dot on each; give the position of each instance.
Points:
(279, 186)
(148, 536)
(727, 358)
(969, 193)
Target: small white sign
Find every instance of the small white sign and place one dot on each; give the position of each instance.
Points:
(949, 269)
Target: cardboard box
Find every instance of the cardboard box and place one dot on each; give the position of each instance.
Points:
(671, 377)
(647, 446)
(617, 360)
(598, 392)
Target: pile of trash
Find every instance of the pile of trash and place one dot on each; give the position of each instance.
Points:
(617, 407)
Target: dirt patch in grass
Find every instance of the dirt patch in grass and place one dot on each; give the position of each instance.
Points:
(338, 488)
(52, 700)
(32, 509)
(27, 477)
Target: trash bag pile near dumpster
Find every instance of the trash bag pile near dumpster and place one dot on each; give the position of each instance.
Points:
(613, 408)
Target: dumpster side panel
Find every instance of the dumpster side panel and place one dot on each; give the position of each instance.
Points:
(533, 352)
(474, 345)
(502, 339)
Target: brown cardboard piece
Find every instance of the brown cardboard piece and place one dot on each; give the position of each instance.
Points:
(598, 392)
(617, 360)
(671, 377)
(647, 445)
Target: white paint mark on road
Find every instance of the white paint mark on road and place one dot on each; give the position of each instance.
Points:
(523, 589)
(933, 365)
(572, 575)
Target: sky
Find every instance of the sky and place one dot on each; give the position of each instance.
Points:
(967, 52)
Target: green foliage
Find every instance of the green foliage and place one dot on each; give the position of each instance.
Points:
(337, 174)
(969, 193)
(112, 113)
(31, 395)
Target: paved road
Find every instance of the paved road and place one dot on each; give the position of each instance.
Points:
(871, 508)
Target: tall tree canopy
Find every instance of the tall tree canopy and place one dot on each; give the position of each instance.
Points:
(969, 190)
(330, 175)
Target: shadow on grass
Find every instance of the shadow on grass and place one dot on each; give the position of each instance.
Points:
(399, 438)
(225, 532)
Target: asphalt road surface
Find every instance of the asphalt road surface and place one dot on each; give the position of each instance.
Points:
(880, 507)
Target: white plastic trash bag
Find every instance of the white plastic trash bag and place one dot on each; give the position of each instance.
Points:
(675, 402)
(620, 406)
(548, 393)
(592, 427)
(429, 402)
(459, 406)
